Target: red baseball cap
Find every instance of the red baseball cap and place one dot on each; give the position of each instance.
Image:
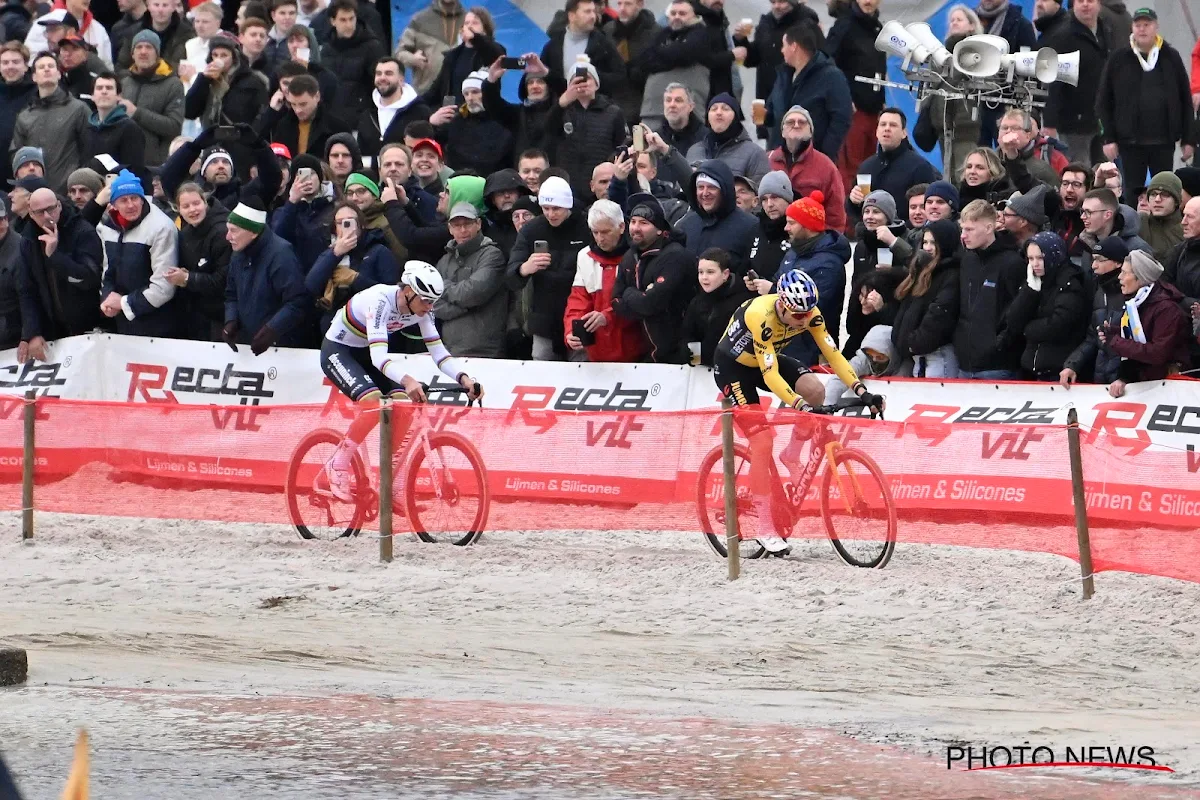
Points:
(437, 148)
(281, 150)
(75, 39)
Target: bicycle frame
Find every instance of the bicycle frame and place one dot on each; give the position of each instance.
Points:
(824, 448)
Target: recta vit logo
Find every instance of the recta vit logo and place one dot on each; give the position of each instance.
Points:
(150, 383)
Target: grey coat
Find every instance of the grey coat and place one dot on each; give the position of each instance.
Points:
(743, 156)
(473, 311)
(159, 101)
(58, 124)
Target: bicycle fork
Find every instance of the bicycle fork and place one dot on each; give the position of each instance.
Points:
(830, 456)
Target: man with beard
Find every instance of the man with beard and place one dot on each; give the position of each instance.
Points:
(1075, 183)
(716, 220)
(579, 38)
(1050, 19)
(770, 240)
(110, 130)
(54, 121)
(173, 33)
(300, 119)
(16, 90)
(655, 281)
(394, 104)
(763, 53)
(809, 169)
(822, 253)
(153, 97)
(633, 31)
(474, 138)
(500, 194)
(681, 128)
(678, 58)
(217, 175)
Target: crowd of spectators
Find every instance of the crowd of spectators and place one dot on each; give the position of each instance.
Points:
(237, 173)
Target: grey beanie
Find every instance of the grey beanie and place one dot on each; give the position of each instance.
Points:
(27, 155)
(1144, 267)
(884, 202)
(1031, 206)
(801, 110)
(149, 37)
(778, 184)
(86, 177)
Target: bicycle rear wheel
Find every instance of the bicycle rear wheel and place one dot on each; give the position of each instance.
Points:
(858, 509)
(710, 502)
(446, 492)
(312, 508)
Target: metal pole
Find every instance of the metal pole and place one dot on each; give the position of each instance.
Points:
(385, 482)
(733, 542)
(1080, 501)
(27, 463)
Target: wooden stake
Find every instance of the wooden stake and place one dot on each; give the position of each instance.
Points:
(1080, 502)
(27, 464)
(385, 482)
(733, 542)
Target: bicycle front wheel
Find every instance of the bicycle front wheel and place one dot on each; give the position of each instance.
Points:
(446, 491)
(859, 512)
(710, 502)
(312, 508)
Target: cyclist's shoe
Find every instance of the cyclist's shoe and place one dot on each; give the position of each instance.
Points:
(341, 482)
(767, 537)
(775, 546)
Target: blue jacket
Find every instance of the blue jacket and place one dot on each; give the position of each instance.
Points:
(894, 171)
(729, 228)
(824, 259)
(266, 287)
(371, 259)
(307, 226)
(822, 89)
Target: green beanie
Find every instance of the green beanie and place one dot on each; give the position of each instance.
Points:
(358, 179)
(1167, 182)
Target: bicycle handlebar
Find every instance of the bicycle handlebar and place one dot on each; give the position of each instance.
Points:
(476, 389)
(843, 405)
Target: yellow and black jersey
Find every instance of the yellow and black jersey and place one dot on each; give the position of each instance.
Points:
(756, 334)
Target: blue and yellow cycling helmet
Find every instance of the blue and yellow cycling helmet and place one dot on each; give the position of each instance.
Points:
(797, 291)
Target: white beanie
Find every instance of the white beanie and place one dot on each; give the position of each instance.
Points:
(474, 80)
(556, 192)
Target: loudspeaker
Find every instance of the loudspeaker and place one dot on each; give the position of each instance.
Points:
(980, 56)
(923, 35)
(895, 40)
(1068, 68)
(1041, 64)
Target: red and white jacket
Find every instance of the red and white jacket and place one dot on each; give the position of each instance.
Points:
(621, 339)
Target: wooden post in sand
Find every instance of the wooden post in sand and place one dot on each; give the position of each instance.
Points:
(385, 482)
(27, 464)
(733, 542)
(1080, 502)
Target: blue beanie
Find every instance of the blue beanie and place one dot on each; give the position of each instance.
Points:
(126, 183)
(1054, 249)
(944, 190)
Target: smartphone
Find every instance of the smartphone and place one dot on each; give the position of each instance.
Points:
(303, 53)
(348, 224)
(581, 72)
(639, 139)
(227, 133)
(512, 63)
(581, 333)
(305, 173)
(449, 100)
(752, 275)
(541, 246)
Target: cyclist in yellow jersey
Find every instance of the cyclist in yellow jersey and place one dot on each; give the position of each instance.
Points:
(748, 358)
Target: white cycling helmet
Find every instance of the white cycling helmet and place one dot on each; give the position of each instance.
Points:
(424, 279)
(797, 291)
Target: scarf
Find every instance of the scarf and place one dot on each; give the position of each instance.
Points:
(1131, 321)
(996, 14)
(1148, 62)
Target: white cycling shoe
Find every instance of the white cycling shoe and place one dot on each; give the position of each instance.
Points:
(774, 545)
(768, 538)
(341, 482)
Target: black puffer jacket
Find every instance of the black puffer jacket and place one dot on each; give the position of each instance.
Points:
(205, 254)
(353, 62)
(60, 295)
(654, 287)
(551, 286)
(1072, 109)
(865, 263)
(925, 323)
(765, 53)
(851, 45)
(1091, 362)
(1052, 320)
(988, 281)
(580, 138)
(478, 142)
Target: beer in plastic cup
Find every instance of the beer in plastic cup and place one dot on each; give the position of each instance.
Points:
(746, 26)
(758, 112)
(864, 184)
(883, 257)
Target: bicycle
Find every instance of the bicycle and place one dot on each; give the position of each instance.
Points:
(429, 466)
(846, 497)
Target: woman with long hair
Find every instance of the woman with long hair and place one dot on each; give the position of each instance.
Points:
(476, 50)
(357, 258)
(982, 177)
(924, 325)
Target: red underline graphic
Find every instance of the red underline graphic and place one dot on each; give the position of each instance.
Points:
(1105, 764)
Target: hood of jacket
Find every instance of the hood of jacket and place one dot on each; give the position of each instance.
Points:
(116, 116)
(351, 144)
(60, 97)
(830, 242)
(879, 339)
(408, 95)
(1126, 223)
(719, 171)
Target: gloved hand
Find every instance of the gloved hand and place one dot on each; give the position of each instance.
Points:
(872, 401)
(207, 137)
(250, 137)
(1032, 280)
(229, 335)
(263, 340)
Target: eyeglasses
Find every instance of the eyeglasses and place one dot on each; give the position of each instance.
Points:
(357, 191)
(1073, 184)
(795, 124)
(1087, 212)
(1012, 129)
(1156, 194)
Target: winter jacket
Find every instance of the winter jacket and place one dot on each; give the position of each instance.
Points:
(527, 120)
(59, 125)
(631, 40)
(742, 154)
(15, 20)
(1138, 107)
(764, 54)
(137, 256)
(322, 25)
(1052, 321)
(851, 45)
(14, 98)
(1161, 233)
(879, 339)
(925, 323)
(241, 102)
(822, 89)
(604, 57)
(1015, 29)
(729, 228)
(708, 315)
(284, 127)
(768, 247)
(371, 137)
(159, 100)
(1090, 361)
(457, 64)
(1072, 109)
(654, 287)
(266, 287)
(824, 258)
(893, 171)
(432, 31)
(1167, 330)
(369, 263)
(10, 291)
(307, 226)
(579, 138)
(173, 39)
(353, 60)
(675, 57)
(865, 265)
(813, 171)
(1052, 25)
(478, 142)
(119, 136)
(685, 138)
(205, 254)
(988, 281)
(60, 295)
(551, 286)
(178, 167)
(620, 339)
(473, 311)
(1182, 270)
(720, 56)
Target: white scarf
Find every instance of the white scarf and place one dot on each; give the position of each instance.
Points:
(1131, 322)
(1148, 62)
